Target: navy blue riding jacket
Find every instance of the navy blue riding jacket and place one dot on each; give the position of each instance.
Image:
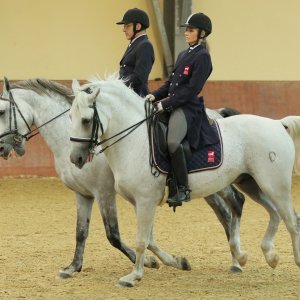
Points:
(191, 70)
(136, 64)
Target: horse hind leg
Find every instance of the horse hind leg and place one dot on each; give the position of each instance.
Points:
(223, 213)
(251, 188)
(292, 222)
(235, 201)
(84, 209)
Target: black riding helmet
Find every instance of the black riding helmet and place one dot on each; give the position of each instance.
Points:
(201, 21)
(135, 15)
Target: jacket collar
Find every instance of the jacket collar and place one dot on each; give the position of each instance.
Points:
(133, 44)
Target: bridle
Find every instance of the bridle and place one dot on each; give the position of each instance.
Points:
(13, 126)
(93, 140)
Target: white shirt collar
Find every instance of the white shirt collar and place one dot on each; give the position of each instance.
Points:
(192, 48)
(136, 39)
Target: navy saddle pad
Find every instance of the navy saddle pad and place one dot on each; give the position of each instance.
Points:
(209, 157)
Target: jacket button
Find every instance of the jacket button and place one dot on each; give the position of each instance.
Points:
(169, 94)
(124, 66)
(173, 73)
(176, 83)
(180, 75)
(171, 83)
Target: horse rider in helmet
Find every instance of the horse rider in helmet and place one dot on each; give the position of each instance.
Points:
(179, 96)
(138, 59)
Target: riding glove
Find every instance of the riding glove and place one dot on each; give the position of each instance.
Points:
(150, 98)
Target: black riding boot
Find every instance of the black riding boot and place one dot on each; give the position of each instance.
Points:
(181, 174)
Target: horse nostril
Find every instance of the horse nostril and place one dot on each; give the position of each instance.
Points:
(80, 160)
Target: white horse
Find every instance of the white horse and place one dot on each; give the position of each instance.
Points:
(38, 101)
(259, 155)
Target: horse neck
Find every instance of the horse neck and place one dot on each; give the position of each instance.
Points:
(45, 107)
(124, 111)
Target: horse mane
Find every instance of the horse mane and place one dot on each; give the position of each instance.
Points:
(115, 81)
(292, 124)
(43, 86)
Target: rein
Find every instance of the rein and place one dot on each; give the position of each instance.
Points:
(27, 136)
(94, 136)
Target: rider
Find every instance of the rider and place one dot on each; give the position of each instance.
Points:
(179, 96)
(138, 59)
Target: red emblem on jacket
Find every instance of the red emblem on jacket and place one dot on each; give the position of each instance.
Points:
(186, 70)
(210, 156)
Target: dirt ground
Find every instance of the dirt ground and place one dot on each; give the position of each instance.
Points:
(37, 231)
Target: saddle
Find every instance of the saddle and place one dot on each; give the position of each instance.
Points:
(209, 157)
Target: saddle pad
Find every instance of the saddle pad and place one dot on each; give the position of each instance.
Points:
(209, 157)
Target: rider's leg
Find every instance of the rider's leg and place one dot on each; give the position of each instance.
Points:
(176, 133)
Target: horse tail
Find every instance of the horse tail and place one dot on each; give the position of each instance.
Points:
(292, 125)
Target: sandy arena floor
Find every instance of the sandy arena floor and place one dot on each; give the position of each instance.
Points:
(37, 230)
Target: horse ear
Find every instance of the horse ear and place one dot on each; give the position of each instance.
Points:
(75, 86)
(92, 97)
(6, 86)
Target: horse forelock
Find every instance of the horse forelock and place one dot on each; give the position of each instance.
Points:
(44, 87)
(82, 101)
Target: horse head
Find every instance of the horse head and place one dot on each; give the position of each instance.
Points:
(14, 121)
(85, 123)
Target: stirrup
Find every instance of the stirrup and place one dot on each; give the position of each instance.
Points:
(182, 195)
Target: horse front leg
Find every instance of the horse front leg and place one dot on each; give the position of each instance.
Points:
(84, 210)
(108, 209)
(178, 262)
(145, 211)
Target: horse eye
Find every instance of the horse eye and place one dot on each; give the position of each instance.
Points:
(85, 121)
(2, 112)
(88, 90)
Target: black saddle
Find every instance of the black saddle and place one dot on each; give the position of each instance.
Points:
(209, 157)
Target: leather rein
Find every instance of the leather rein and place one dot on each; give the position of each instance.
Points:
(93, 140)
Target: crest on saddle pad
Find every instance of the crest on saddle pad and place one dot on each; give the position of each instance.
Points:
(209, 157)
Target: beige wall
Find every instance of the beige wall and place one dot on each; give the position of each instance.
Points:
(65, 39)
(254, 39)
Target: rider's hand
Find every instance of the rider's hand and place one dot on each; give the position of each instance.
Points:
(150, 98)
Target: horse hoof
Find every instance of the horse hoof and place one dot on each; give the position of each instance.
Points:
(124, 284)
(183, 264)
(274, 261)
(243, 259)
(151, 262)
(235, 269)
(63, 275)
